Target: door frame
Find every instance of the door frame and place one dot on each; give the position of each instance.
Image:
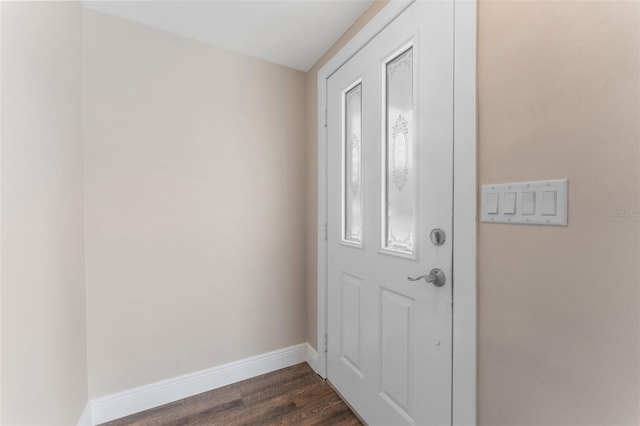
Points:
(464, 363)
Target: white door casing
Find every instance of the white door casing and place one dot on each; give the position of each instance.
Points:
(462, 402)
(390, 168)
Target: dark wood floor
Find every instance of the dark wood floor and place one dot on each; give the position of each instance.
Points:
(291, 396)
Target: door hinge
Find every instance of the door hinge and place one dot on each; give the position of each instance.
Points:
(326, 343)
(326, 119)
(326, 232)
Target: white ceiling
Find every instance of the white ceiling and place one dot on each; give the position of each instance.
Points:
(293, 33)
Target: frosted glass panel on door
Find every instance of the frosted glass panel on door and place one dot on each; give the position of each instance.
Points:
(400, 181)
(352, 166)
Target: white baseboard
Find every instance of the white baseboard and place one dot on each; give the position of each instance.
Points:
(312, 358)
(85, 418)
(142, 398)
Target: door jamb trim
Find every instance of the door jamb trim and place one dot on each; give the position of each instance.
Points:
(464, 363)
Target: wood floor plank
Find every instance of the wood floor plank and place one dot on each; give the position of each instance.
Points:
(316, 406)
(258, 384)
(296, 383)
(261, 409)
(291, 396)
(219, 399)
(342, 418)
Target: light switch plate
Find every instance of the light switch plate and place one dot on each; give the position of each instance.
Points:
(541, 202)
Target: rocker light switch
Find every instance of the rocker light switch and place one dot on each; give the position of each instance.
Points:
(528, 203)
(492, 203)
(509, 203)
(548, 203)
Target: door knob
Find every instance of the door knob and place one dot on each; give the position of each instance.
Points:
(436, 276)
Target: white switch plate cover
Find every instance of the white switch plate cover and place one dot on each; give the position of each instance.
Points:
(560, 218)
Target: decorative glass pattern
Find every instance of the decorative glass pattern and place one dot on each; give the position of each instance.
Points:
(352, 172)
(400, 173)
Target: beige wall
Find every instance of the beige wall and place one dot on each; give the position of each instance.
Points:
(44, 370)
(559, 323)
(311, 147)
(195, 209)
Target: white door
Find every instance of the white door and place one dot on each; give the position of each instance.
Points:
(390, 171)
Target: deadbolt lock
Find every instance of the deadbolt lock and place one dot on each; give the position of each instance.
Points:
(437, 236)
